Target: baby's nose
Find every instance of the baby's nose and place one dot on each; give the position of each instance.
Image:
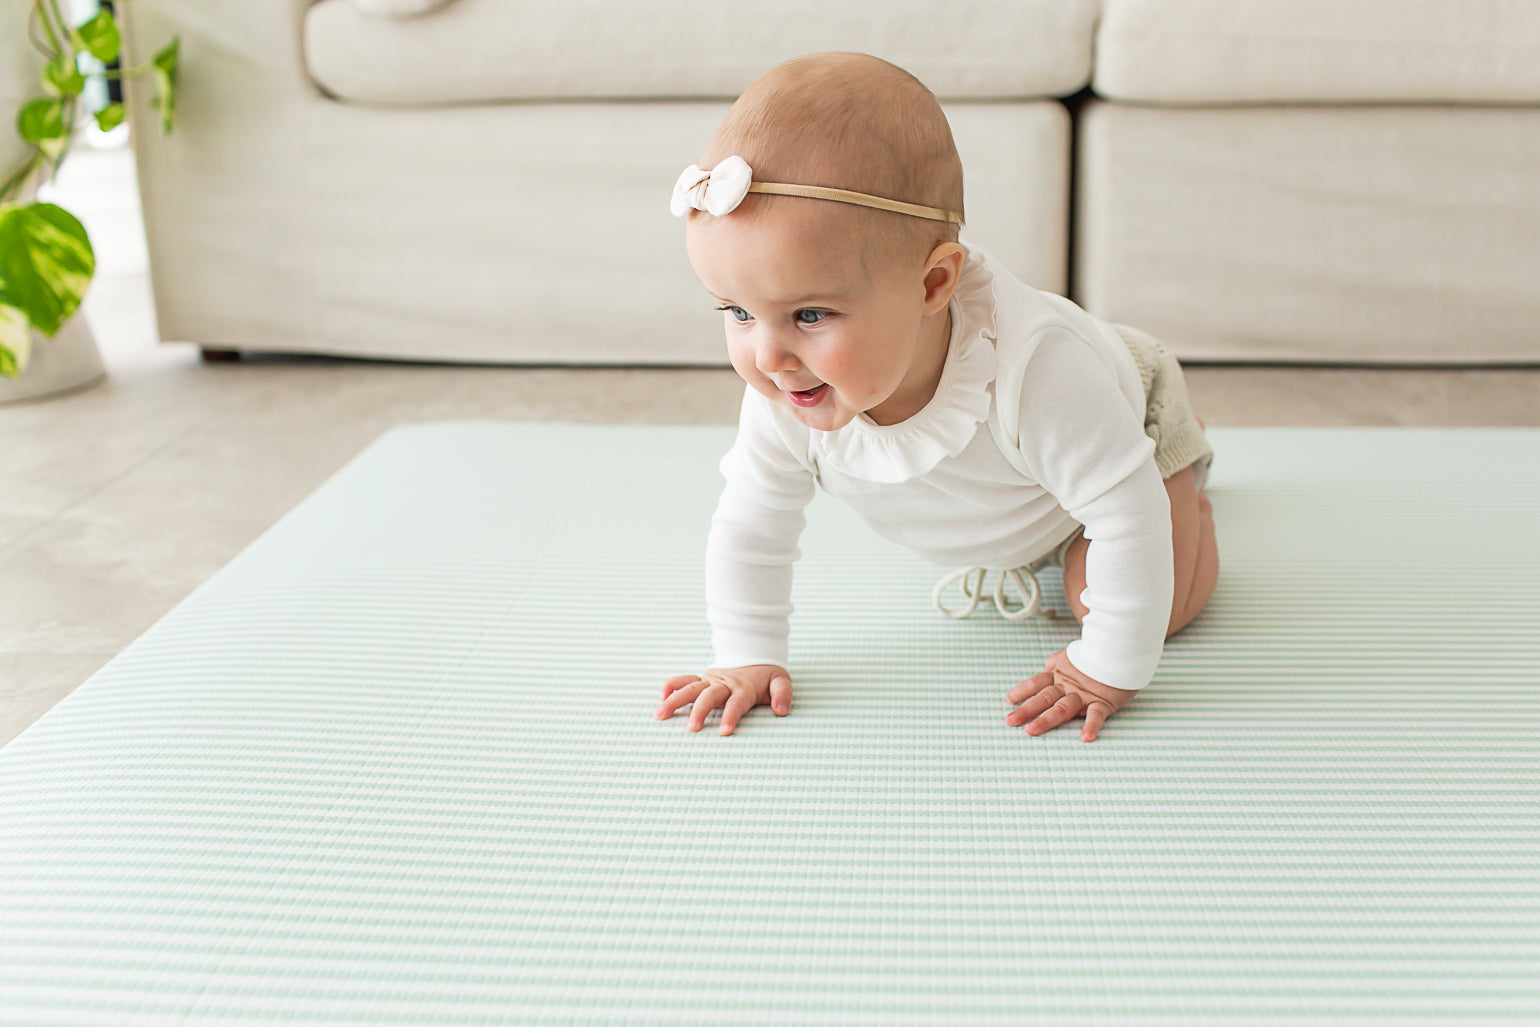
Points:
(774, 358)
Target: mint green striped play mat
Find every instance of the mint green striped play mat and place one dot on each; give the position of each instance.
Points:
(397, 763)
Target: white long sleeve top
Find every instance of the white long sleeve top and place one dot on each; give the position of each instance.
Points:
(1036, 429)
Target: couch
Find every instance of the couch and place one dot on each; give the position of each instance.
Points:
(1251, 180)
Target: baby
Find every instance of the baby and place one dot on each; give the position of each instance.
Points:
(963, 414)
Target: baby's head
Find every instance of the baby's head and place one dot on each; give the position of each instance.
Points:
(820, 292)
(849, 121)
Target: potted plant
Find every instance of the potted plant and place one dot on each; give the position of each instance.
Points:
(46, 259)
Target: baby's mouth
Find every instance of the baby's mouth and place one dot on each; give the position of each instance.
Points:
(808, 397)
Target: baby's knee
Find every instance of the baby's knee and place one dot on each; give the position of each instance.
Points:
(1192, 600)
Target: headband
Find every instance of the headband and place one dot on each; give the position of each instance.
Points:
(720, 190)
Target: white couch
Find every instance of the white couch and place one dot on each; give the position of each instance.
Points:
(1251, 179)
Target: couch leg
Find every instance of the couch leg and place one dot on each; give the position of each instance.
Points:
(212, 355)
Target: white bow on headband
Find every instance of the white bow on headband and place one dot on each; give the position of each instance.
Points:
(720, 190)
(717, 192)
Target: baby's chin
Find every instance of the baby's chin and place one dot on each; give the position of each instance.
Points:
(826, 416)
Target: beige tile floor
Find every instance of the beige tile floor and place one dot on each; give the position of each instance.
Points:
(117, 501)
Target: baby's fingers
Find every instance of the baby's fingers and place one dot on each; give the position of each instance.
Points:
(780, 696)
(682, 695)
(710, 697)
(1033, 706)
(677, 682)
(1030, 687)
(1096, 715)
(739, 703)
(1066, 709)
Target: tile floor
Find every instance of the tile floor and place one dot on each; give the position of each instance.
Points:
(117, 501)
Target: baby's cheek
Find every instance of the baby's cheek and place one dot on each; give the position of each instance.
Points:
(749, 372)
(743, 362)
(859, 381)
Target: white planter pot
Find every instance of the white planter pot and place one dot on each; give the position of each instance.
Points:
(67, 362)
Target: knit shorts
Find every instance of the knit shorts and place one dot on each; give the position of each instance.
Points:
(1168, 417)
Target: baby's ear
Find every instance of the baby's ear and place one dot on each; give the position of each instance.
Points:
(943, 270)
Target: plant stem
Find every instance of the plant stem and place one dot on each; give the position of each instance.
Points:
(69, 120)
(13, 184)
(64, 27)
(41, 46)
(42, 10)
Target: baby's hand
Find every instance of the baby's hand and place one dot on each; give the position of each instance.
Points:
(1065, 693)
(736, 689)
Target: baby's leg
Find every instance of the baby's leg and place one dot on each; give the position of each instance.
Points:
(1193, 546)
(1195, 551)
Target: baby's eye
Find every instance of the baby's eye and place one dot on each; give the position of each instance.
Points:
(810, 317)
(739, 314)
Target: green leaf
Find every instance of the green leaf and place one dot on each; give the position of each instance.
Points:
(42, 120)
(110, 117)
(46, 263)
(100, 37)
(165, 69)
(15, 341)
(63, 78)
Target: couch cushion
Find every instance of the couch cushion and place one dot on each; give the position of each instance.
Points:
(481, 51)
(1224, 51)
(1322, 234)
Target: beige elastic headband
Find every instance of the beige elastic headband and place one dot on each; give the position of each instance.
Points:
(818, 192)
(720, 190)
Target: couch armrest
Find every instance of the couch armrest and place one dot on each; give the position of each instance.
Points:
(237, 156)
(20, 65)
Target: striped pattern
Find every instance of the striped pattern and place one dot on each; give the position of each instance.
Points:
(396, 764)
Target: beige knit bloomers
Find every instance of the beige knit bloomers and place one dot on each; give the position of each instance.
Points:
(1168, 417)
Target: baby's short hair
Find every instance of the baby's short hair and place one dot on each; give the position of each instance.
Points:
(849, 121)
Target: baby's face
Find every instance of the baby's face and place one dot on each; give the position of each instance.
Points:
(812, 323)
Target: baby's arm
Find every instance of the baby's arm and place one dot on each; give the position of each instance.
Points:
(1128, 581)
(749, 558)
(1129, 558)
(1087, 446)
(1061, 692)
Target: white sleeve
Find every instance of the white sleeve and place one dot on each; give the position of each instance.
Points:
(753, 542)
(1088, 448)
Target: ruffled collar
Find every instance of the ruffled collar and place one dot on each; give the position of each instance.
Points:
(891, 453)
